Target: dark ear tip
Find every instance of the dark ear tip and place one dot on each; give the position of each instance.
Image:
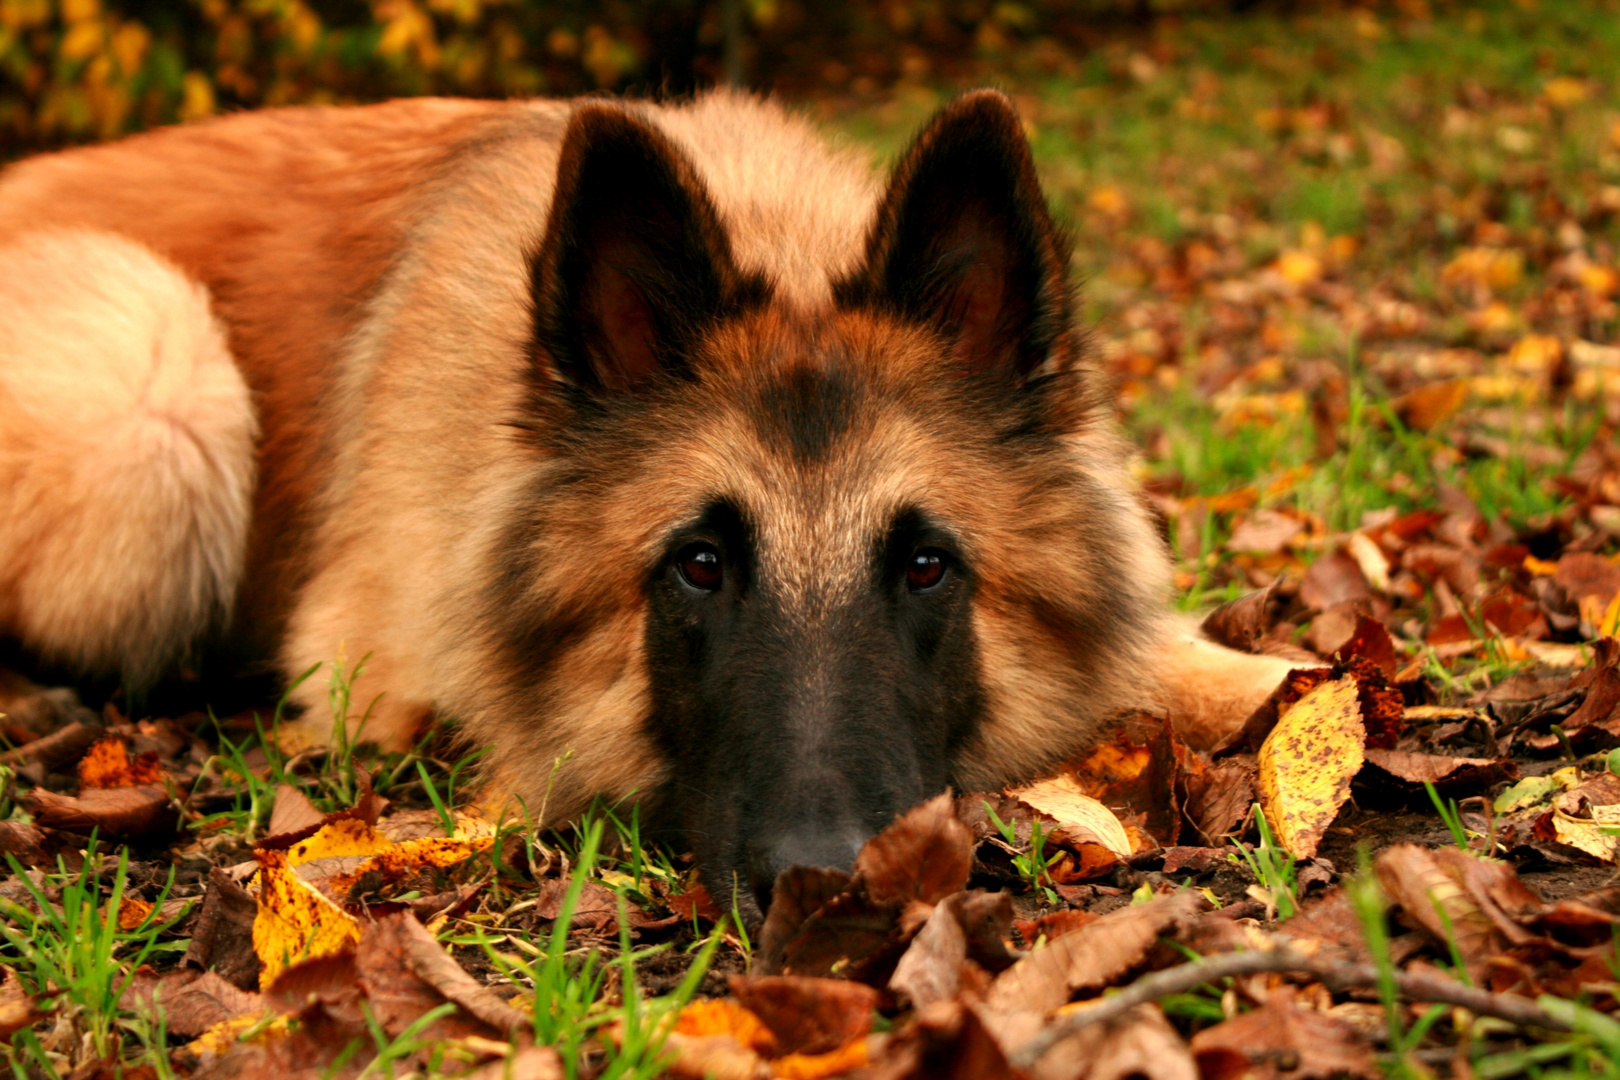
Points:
(985, 106)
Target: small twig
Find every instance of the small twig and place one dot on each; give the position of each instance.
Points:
(1336, 976)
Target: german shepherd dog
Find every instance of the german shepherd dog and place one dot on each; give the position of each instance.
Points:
(663, 441)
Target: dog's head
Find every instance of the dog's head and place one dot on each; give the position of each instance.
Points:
(848, 553)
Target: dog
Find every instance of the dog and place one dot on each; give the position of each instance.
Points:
(667, 448)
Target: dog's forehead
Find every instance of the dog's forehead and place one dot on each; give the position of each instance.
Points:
(824, 458)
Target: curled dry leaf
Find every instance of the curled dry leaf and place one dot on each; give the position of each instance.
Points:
(931, 969)
(1134, 767)
(1082, 818)
(925, 856)
(404, 973)
(1307, 762)
(1241, 624)
(1280, 1039)
(1429, 887)
(808, 1016)
(1588, 817)
(222, 937)
(1452, 775)
(523, 1063)
(799, 893)
(1094, 955)
(1216, 797)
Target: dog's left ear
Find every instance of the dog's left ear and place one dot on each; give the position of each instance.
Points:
(963, 243)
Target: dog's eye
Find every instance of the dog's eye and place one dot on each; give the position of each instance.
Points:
(927, 569)
(700, 565)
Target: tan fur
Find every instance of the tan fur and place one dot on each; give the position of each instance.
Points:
(126, 454)
(371, 267)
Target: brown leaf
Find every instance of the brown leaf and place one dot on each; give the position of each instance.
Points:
(597, 907)
(191, 1003)
(697, 903)
(808, 1016)
(1333, 579)
(525, 1063)
(1240, 624)
(931, 969)
(56, 749)
(1372, 642)
(1279, 1039)
(925, 855)
(799, 893)
(405, 972)
(17, 1007)
(847, 936)
(123, 812)
(1452, 775)
(1095, 955)
(25, 842)
(1054, 925)
(1584, 575)
(986, 918)
(1601, 707)
(1139, 1044)
(1428, 883)
(1264, 532)
(1427, 406)
(946, 1041)
(294, 813)
(1134, 766)
(222, 939)
(1217, 798)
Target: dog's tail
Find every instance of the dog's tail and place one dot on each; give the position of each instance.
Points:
(126, 456)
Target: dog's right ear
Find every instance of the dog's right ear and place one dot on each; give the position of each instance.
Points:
(635, 263)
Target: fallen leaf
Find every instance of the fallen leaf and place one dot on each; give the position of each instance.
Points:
(807, 1016)
(1240, 624)
(925, 856)
(222, 937)
(1307, 762)
(405, 973)
(122, 812)
(1280, 1039)
(1134, 767)
(799, 893)
(1095, 955)
(524, 1063)
(294, 920)
(931, 969)
(1216, 797)
(1430, 889)
(56, 749)
(1451, 775)
(293, 812)
(107, 764)
(191, 1004)
(17, 1007)
(1333, 579)
(1080, 816)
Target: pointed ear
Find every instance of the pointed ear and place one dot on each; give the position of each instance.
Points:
(963, 243)
(635, 264)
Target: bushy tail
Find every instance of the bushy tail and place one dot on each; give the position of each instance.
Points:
(126, 456)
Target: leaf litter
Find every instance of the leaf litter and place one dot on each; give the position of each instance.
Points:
(1428, 529)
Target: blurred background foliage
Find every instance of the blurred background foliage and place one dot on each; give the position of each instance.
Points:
(78, 70)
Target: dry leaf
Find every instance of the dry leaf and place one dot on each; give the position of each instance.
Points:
(807, 1016)
(1307, 763)
(1080, 816)
(17, 1008)
(1280, 1039)
(121, 812)
(925, 856)
(107, 764)
(294, 921)
(1094, 955)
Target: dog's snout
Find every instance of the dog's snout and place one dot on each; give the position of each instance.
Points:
(831, 847)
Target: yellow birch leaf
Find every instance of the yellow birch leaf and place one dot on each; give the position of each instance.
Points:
(1076, 812)
(294, 921)
(1307, 762)
(1595, 835)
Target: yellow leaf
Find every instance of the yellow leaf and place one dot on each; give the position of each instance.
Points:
(1076, 812)
(294, 921)
(1535, 353)
(223, 1035)
(1299, 267)
(1307, 762)
(1564, 91)
(1595, 835)
(83, 40)
(197, 96)
(345, 836)
(1610, 625)
(129, 45)
(1540, 567)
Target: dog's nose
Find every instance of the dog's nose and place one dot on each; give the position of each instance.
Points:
(831, 848)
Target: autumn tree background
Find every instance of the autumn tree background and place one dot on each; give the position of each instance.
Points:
(73, 70)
